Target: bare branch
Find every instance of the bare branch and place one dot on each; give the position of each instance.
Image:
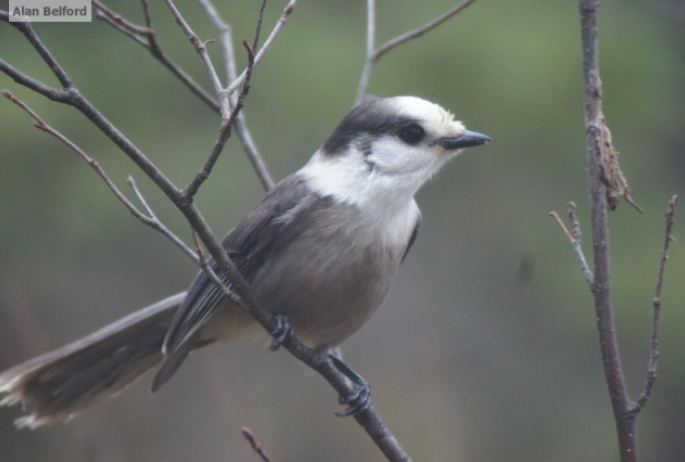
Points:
(573, 237)
(150, 219)
(26, 29)
(241, 128)
(197, 222)
(77, 100)
(201, 48)
(27, 81)
(225, 38)
(155, 223)
(255, 444)
(224, 132)
(656, 308)
(576, 244)
(44, 126)
(145, 36)
(365, 78)
(250, 148)
(373, 57)
(19, 77)
(399, 40)
(562, 225)
(258, 28)
(118, 21)
(267, 44)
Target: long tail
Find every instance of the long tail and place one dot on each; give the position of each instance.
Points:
(63, 382)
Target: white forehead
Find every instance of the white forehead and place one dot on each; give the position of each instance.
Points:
(433, 116)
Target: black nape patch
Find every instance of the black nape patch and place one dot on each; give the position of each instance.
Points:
(374, 118)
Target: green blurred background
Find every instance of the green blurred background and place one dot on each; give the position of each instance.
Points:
(486, 348)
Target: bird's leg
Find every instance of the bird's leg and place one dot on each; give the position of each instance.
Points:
(360, 398)
(281, 332)
(337, 352)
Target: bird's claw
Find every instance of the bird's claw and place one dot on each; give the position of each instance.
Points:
(281, 332)
(359, 399)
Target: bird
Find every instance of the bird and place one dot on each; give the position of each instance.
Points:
(320, 250)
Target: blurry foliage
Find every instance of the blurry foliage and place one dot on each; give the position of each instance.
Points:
(469, 361)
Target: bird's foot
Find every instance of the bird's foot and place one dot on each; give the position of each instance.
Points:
(359, 399)
(281, 332)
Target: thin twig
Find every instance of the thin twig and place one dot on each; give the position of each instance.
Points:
(250, 148)
(145, 36)
(47, 57)
(76, 99)
(44, 126)
(224, 132)
(656, 306)
(155, 223)
(576, 244)
(574, 238)
(244, 135)
(241, 128)
(151, 219)
(370, 62)
(562, 225)
(201, 47)
(258, 28)
(278, 28)
(39, 87)
(255, 444)
(105, 13)
(399, 40)
(223, 30)
(374, 56)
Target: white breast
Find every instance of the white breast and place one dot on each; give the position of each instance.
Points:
(387, 207)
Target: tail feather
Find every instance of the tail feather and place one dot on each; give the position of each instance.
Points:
(58, 384)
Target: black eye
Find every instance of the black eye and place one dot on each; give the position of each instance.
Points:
(411, 134)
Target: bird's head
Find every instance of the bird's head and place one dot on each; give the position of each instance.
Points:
(388, 146)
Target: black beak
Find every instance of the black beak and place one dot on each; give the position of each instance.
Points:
(465, 140)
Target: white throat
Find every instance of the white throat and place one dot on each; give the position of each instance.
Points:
(387, 202)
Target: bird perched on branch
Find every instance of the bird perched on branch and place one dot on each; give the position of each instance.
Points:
(320, 250)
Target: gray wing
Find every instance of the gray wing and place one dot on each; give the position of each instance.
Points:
(249, 246)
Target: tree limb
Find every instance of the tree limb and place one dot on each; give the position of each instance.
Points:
(601, 287)
(241, 128)
(255, 444)
(146, 37)
(224, 133)
(574, 238)
(278, 28)
(201, 48)
(374, 55)
(656, 308)
(150, 219)
(607, 184)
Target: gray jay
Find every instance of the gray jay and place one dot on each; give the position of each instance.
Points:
(321, 250)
